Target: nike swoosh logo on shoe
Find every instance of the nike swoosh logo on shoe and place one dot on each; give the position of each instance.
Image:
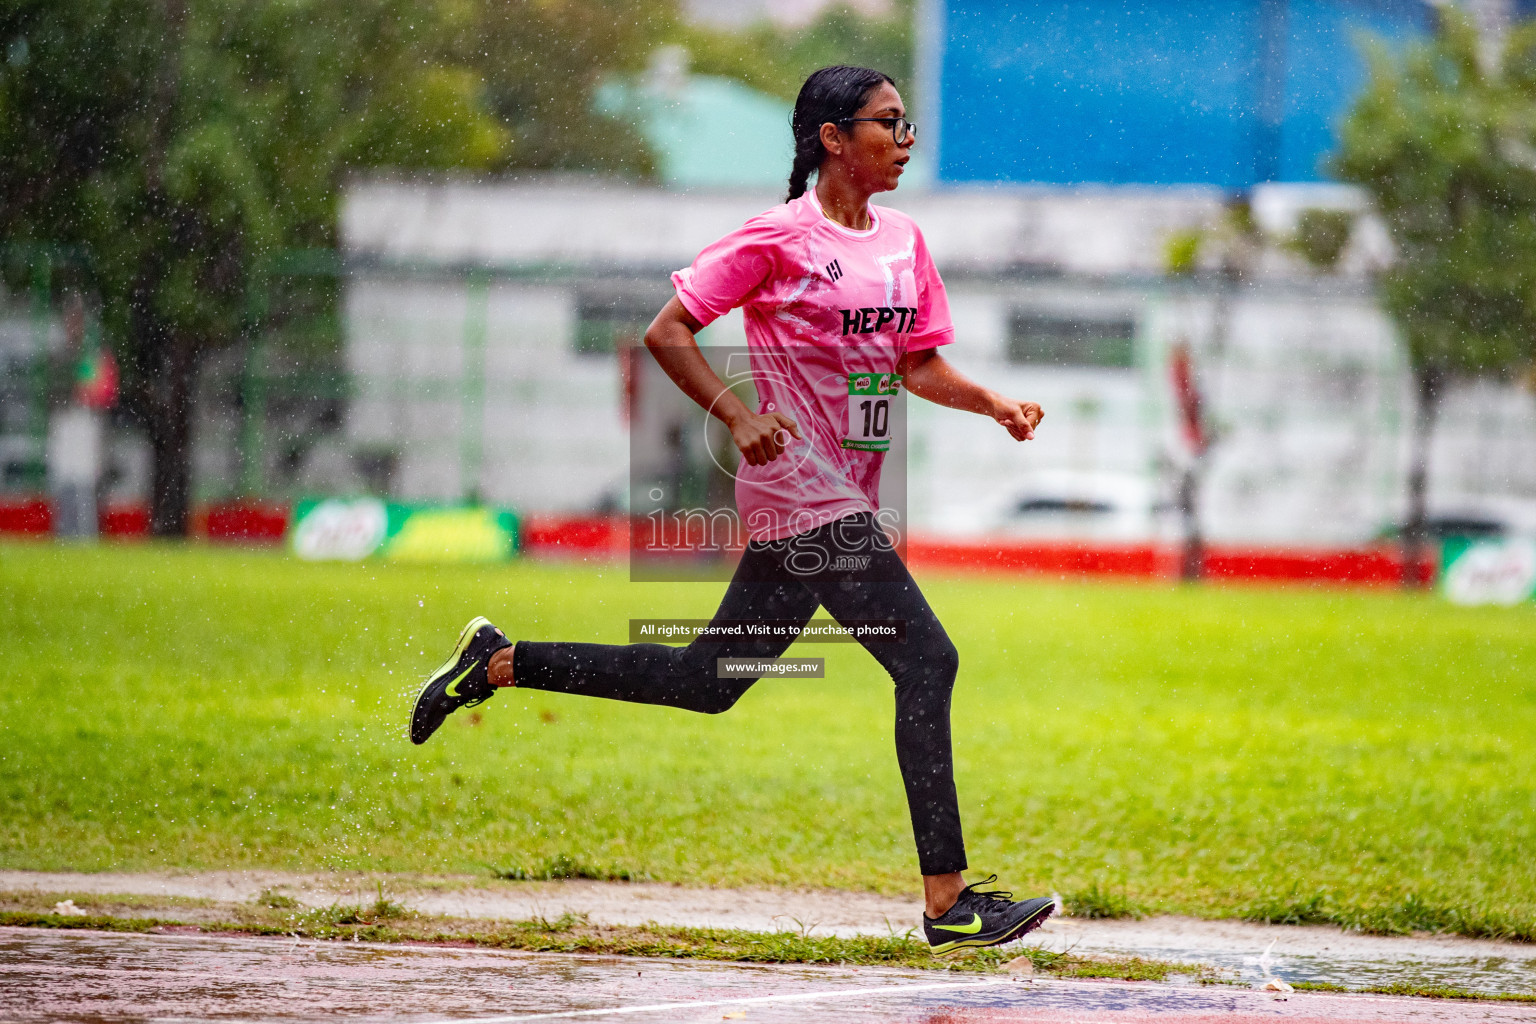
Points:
(450, 691)
(963, 929)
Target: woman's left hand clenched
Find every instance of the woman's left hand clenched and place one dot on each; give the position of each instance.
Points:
(1020, 418)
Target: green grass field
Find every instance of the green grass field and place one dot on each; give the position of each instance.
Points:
(1298, 754)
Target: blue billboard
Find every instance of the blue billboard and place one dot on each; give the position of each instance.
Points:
(1152, 91)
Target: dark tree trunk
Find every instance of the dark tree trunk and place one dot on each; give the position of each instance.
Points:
(1192, 557)
(1430, 381)
(170, 438)
(166, 354)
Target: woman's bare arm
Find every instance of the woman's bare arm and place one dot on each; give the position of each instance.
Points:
(671, 340)
(929, 375)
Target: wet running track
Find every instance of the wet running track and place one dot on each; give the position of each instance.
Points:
(51, 976)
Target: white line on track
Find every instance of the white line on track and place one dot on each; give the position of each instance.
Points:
(797, 997)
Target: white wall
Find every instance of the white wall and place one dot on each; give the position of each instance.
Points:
(548, 420)
(968, 472)
(1305, 383)
(1307, 395)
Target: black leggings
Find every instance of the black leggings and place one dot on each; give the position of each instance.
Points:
(786, 580)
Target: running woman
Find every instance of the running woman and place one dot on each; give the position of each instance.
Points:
(842, 305)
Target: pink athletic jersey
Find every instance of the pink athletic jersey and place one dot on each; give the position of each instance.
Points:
(829, 312)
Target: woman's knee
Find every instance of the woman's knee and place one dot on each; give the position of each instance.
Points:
(718, 699)
(695, 683)
(946, 656)
(942, 659)
(931, 668)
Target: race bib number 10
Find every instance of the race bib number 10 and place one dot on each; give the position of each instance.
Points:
(869, 410)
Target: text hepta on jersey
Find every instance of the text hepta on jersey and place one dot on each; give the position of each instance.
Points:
(872, 319)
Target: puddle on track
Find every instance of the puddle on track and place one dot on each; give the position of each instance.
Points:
(1308, 953)
(1473, 974)
(102, 977)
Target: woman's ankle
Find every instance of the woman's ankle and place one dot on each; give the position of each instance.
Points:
(499, 671)
(940, 893)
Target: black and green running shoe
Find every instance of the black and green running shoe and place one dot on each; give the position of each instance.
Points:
(985, 918)
(462, 682)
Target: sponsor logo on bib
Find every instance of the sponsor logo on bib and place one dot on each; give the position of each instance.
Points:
(869, 411)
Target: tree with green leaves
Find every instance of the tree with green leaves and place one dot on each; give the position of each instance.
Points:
(776, 60)
(178, 147)
(542, 60)
(1444, 139)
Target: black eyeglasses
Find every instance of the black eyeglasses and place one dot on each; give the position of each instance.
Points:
(899, 126)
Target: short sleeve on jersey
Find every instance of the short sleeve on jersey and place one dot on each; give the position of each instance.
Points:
(934, 328)
(727, 273)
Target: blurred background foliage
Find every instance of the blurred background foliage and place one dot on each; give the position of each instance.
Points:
(162, 157)
(1444, 140)
(776, 60)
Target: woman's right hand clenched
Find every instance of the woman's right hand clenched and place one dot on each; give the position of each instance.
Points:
(762, 437)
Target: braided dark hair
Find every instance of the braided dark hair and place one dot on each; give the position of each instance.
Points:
(831, 94)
